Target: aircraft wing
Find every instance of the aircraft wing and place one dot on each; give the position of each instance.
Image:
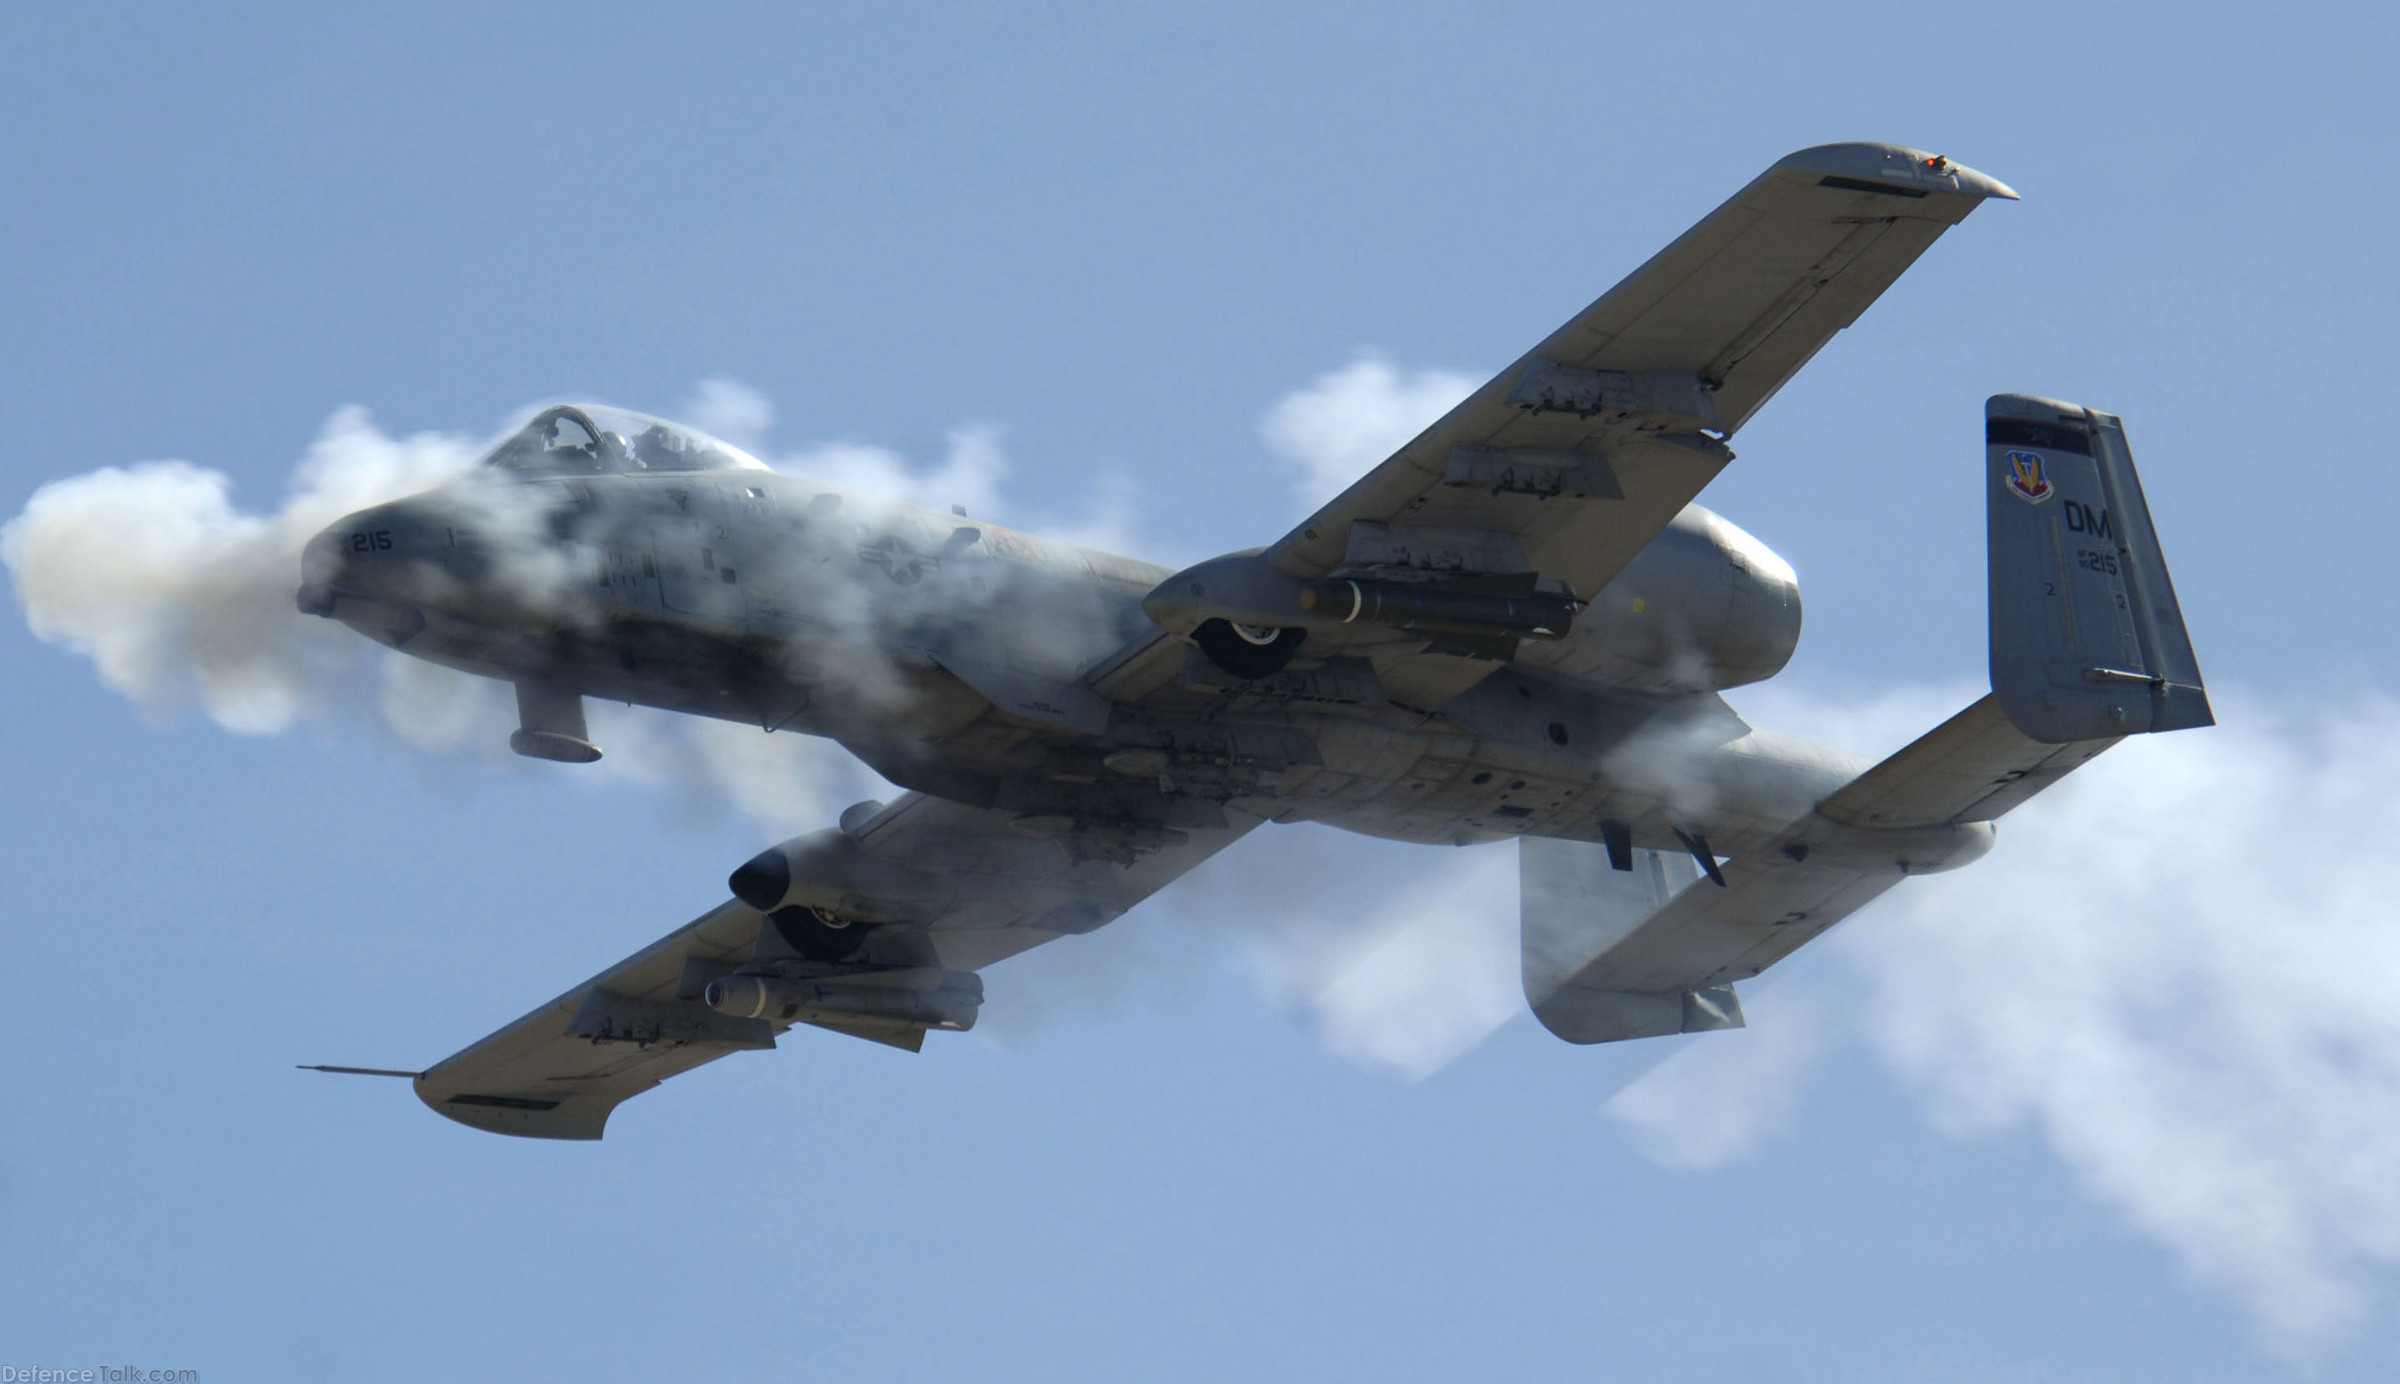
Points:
(956, 888)
(1573, 458)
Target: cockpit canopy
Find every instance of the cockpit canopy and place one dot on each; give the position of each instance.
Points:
(591, 440)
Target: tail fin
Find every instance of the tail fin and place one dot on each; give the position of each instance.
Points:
(2088, 641)
(2088, 646)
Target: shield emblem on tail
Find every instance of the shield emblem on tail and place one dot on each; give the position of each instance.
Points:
(2025, 478)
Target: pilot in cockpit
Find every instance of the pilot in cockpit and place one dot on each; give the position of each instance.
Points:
(572, 440)
(660, 448)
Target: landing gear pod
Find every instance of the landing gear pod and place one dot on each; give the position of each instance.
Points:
(550, 726)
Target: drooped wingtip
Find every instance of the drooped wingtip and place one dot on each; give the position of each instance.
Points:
(1897, 164)
(1985, 183)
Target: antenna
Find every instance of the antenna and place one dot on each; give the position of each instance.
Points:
(360, 1071)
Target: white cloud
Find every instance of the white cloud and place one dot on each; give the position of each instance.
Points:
(2184, 982)
(1409, 977)
(732, 410)
(1346, 422)
(1722, 1097)
(969, 475)
(2177, 969)
(972, 474)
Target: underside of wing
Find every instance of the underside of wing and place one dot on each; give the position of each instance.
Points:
(1502, 520)
(560, 1070)
(1586, 447)
(875, 930)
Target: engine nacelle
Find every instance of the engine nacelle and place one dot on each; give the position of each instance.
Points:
(1704, 607)
(1922, 850)
(825, 870)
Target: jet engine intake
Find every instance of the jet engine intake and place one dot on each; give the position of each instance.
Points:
(763, 881)
(1248, 652)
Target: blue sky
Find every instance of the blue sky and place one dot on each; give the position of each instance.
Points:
(2118, 1103)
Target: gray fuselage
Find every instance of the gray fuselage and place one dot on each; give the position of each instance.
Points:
(958, 658)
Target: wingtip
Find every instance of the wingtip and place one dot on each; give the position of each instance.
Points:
(1897, 163)
(1985, 183)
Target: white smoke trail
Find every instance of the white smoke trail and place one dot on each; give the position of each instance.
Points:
(971, 475)
(2177, 967)
(200, 615)
(2168, 971)
(1412, 976)
(732, 410)
(2164, 971)
(201, 609)
(1718, 1102)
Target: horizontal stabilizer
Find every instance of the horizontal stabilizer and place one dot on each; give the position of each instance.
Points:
(2088, 646)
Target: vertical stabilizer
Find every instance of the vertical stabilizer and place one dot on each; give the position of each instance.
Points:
(2088, 641)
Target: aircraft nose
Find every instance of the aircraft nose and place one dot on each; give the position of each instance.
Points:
(321, 569)
(373, 554)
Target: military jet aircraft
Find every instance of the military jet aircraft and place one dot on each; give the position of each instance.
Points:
(1517, 626)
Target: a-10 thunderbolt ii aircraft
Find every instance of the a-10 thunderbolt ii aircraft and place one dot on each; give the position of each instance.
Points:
(1517, 626)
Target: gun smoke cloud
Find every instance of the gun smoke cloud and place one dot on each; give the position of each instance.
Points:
(2164, 971)
(200, 616)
